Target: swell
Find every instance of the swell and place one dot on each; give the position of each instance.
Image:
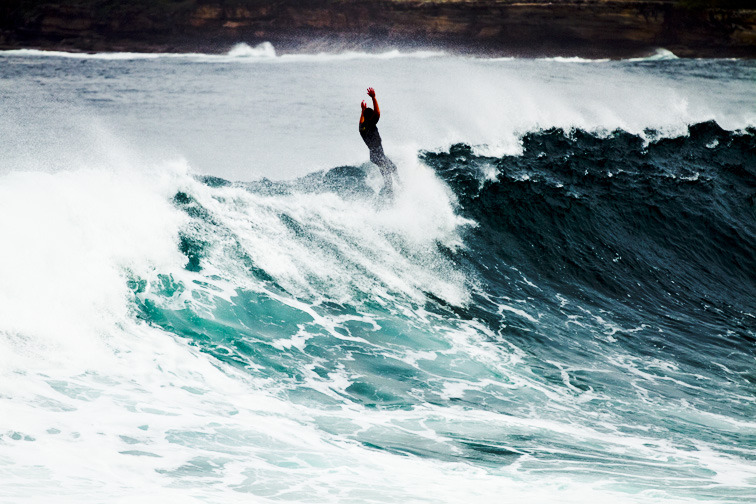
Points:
(600, 215)
(610, 290)
(663, 226)
(657, 236)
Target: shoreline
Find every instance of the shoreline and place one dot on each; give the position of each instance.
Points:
(591, 29)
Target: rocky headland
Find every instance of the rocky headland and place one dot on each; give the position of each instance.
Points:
(588, 28)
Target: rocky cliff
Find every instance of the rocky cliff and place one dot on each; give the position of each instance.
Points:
(592, 28)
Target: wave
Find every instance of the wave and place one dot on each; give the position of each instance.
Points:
(506, 320)
(600, 213)
(595, 220)
(611, 213)
(660, 54)
(39, 53)
(266, 51)
(240, 52)
(574, 59)
(263, 50)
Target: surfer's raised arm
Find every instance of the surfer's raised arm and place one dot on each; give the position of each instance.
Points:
(371, 94)
(375, 112)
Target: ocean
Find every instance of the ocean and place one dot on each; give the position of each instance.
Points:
(203, 298)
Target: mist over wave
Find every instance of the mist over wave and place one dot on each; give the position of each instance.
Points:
(557, 306)
(246, 117)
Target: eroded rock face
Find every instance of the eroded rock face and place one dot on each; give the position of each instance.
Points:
(206, 15)
(536, 27)
(65, 21)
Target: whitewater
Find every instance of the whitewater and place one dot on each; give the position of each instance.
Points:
(203, 298)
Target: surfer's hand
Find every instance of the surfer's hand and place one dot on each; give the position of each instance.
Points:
(371, 92)
(364, 105)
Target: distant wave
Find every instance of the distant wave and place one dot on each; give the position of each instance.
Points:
(266, 51)
(84, 55)
(574, 59)
(240, 52)
(660, 54)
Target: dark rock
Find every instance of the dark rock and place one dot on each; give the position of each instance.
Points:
(590, 28)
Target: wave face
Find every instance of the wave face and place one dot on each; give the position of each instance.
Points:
(640, 255)
(571, 322)
(586, 305)
(600, 216)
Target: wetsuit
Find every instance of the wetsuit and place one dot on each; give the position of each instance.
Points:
(369, 133)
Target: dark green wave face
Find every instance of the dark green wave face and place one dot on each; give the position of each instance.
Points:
(596, 295)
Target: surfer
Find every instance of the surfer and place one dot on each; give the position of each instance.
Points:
(369, 132)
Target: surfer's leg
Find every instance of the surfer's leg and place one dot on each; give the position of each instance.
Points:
(387, 178)
(378, 158)
(387, 168)
(390, 166)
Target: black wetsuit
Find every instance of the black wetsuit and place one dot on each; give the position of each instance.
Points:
(369, 133)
